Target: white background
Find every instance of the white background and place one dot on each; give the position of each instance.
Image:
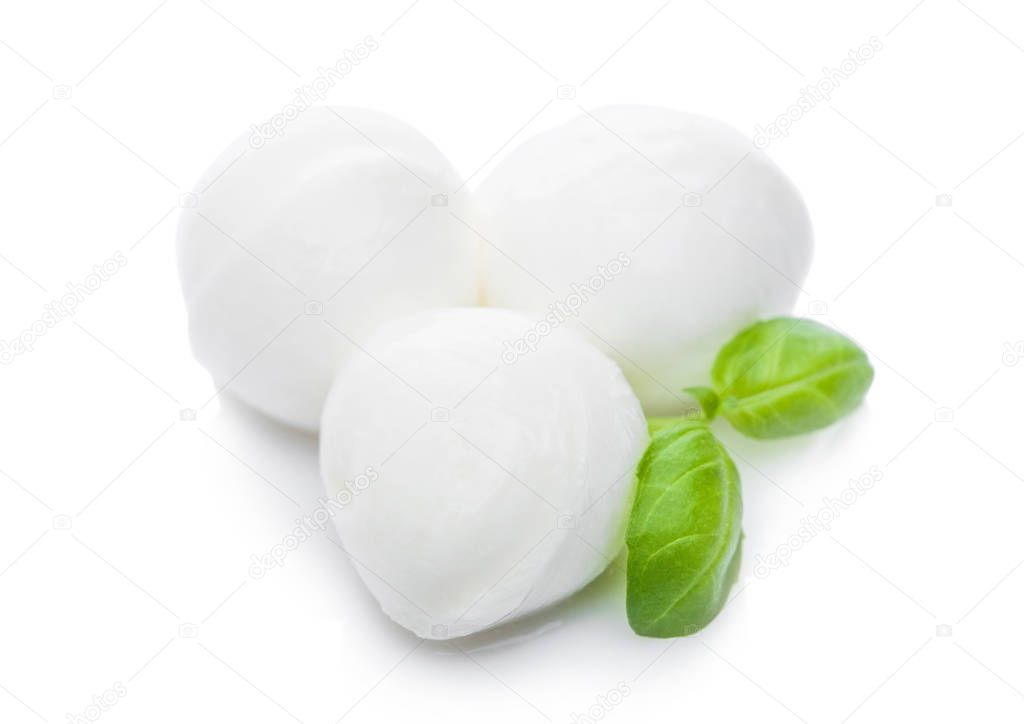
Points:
(126, 532)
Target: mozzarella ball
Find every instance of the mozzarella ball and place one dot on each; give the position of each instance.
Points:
(300, 244)
(659, 234)
(474, 485)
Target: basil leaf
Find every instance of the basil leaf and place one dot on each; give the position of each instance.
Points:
(789, 376)
(684, 532)
(706, 398)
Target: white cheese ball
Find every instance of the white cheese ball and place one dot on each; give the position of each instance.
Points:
(473, 488)
(658, 233)
(300, 246)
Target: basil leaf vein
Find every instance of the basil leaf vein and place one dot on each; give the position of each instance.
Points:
(787, 376)
(684, 532)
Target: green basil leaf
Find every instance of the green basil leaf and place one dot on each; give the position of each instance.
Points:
(684, 532)
(706, 398)
(788, 376)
